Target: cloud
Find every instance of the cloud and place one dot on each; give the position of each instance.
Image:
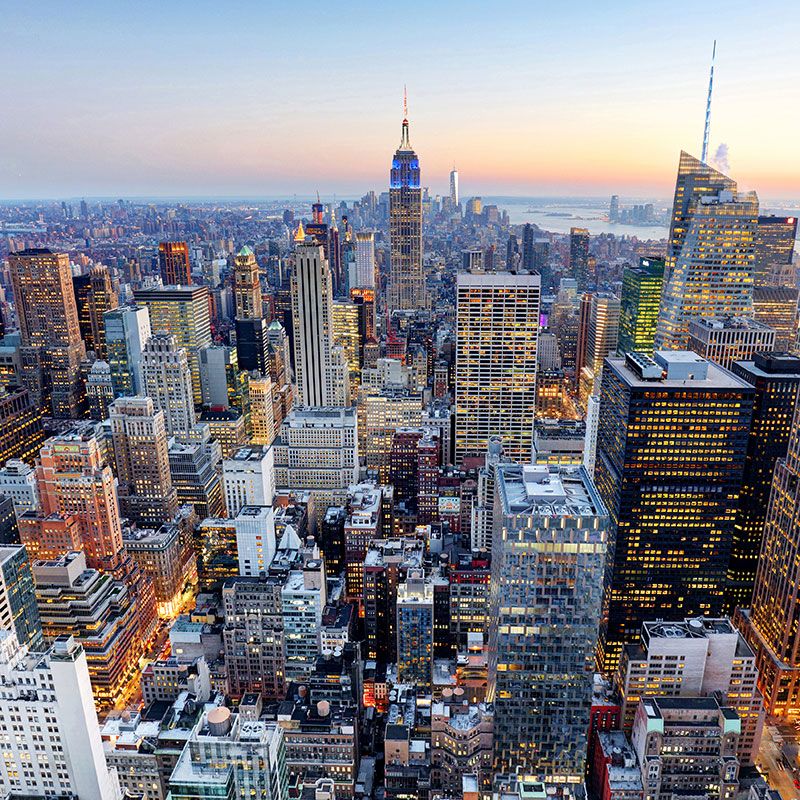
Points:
(720, 160)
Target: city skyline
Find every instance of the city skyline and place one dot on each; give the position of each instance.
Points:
(573, 103)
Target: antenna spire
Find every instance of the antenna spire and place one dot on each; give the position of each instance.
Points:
(404, 142)
(708, 105)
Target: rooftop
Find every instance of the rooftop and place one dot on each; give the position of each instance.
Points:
(548, 490)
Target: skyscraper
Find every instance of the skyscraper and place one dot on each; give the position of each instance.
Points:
(365, 259)
(406, 279)
(710, 254)
(601, 335)
(771, 627)
(94, 296)
(18, 609)
(695, 180)
(776, 379)
(639, 305)
(415, 630)
(167, 379)
(182, 312)
(548, 548)
(76, 483)
(777, 308)
(145, 490)
(320, 366)
(454, 187)
(52, 348)
(173, 263)
(775, 238)
(496, 340)
(579, 256)
(247, 285)
(671, 447)
(52, 691)
(127, 330)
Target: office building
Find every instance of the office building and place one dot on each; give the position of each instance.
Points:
(94, 297)
(167, 380)
(99, 390)
(51, 346)
(550, 529)
(262, 409)
(9, 530)
(18, 482)
(687, 746)
(228, 756)
(320, 366)
(694, 658)
(496, 340)
(193, 467)
(166, 555)
(579, 257)
(21, 433)
(365, 259)
(252, 344)
(99, 612)
(775, 237)
(255, 539)
(671, 446)
(768, 626)
(51, 692)
(776, 379)
(600, 335)
(406, 279)
(415, 631)
(228, 427)
(145, 491)
(482, 524)
(695, 180)
(303, 599)
(710, 254)
(173, 264)
(75, 482)
(639, 305)
(454, 188)
(127, 330)
(724, 340)
(18, 609)
(247, 285)
(255, 651)
(317, 450)
(248, 478)
(461, 744)
(182, 312)
(776, 307)
(472, 260)
(380, 415)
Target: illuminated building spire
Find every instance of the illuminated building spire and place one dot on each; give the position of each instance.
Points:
(404, 142)
(300, 236)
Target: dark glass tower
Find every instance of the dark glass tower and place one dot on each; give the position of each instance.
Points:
(579, 256)
(671, 445)
(776, 378)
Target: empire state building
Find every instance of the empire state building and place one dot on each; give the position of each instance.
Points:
(407, 283)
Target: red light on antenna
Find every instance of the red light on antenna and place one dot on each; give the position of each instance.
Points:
(790, 220)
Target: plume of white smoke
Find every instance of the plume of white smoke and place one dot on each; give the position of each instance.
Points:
(720, 160)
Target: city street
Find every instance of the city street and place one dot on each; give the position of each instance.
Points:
(779, 746)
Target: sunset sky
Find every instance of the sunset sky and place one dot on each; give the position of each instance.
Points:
(262, 98)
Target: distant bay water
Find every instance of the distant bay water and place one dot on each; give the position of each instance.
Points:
(558, 215)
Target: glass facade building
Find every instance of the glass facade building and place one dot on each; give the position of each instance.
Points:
(548, 548)
(671, 447)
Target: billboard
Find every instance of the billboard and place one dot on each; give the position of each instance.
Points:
(449, 505)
